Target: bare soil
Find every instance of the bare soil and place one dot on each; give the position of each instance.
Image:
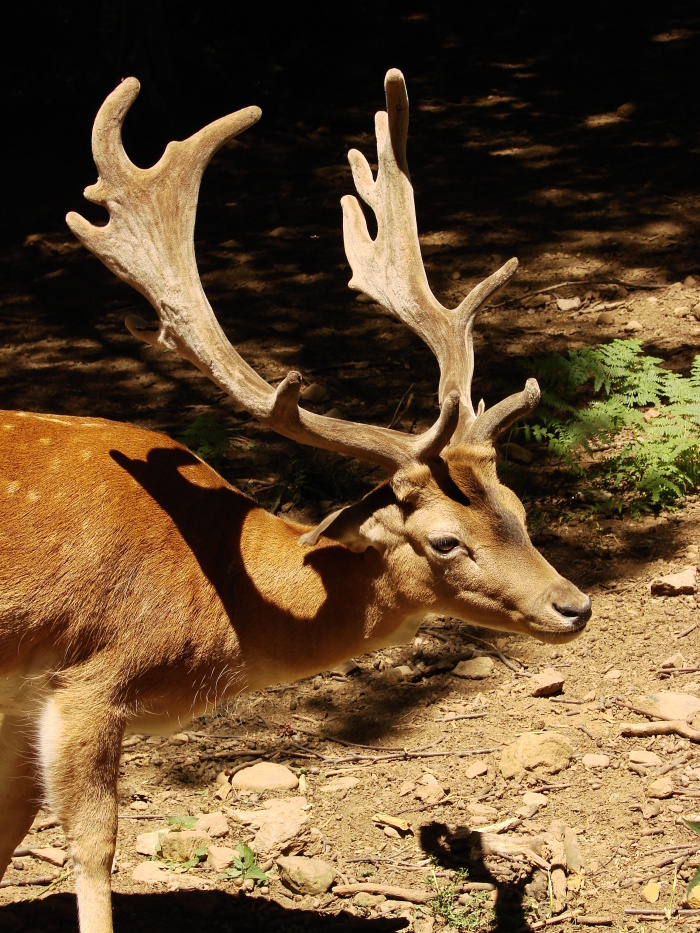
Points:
(597, 195)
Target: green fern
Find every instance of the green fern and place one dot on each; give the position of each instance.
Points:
(659, 461)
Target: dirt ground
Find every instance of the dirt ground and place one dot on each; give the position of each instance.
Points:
(597, 196)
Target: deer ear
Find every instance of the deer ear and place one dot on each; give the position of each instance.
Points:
(353, 525)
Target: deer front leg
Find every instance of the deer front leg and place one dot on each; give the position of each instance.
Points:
(20, 787)
(80, 741)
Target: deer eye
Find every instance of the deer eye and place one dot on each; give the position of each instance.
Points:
(443, 544)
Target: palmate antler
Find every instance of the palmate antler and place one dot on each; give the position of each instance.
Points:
(390, 270)
(148, 242)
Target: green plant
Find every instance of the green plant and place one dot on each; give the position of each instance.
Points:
(207, 438)
(649, 414)
(476, 915)
(695, 880)
(179, 823)
(245, 865)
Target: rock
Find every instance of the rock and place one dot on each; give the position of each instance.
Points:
(650, 810)
(266, 775)
(605, 317)
(670, 705)
(690, 282)
(532, 802)
(147, 843)
(482, 811)
(51, 854)
(675, 660)
(313, 393)
(593, 761)
(139, 805)
(548, 751)
(474, 669)
(340, 786)
(305, 875)
(476, 769)
(406, 788)
(696, 311)
(568, 304)
(429, 790)
(640, 756)
(546, 683)
(404, 670)
(574, 859)
(650, 892)
(221, 857)
(364, 899)
(614, 674)
(661, 788)
(693, 900)
(180, 847)
(632, 326)
(675, 584)
(179, 738)
(150, 873)
(278, 823)
(345, 668)
(214, 824)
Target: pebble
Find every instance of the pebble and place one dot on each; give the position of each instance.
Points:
(568, 304)
(313, 393)
(476, 769)
(429, 789)
(546, 751)
(147, 843)
(594, 761)
(632, 326)
(650, 892)
(675, 584)
(661, 788)
(547, 683)
(180, 847)
(212, 823)
(221, 857)
(150, 873)
(640, 756)
(614, 674)
(304, 875)
(474, 669)
(605, 317)
(277, 823)
(266, 775)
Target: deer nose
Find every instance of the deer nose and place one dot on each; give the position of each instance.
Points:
(575, 609)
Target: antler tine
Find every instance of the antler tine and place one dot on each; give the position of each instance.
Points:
(148, 242)
(390, 269)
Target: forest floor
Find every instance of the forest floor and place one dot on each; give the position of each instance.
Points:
(400, 722)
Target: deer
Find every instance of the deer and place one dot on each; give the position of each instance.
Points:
(138, 589)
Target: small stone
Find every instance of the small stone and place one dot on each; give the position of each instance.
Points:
(675, 584)
(278, 823)
(568, 304)
(605, 317)
(51, 854)
(313, 393)
(266, 775)
(650, 810)
(345, 668)
(139, 805)
(429, 789)
(661, 788)
(532, 802)
(593, 761)
(614, 674)
(406, 788)
(148, 843)
(221, 857)
(476, 769)
(696, 311)
(650, 892)
(632, 326)
(547, 683)
(150, 873)
(366, 900)
(212, 823)
(675, 660)
(340, 785)
(690, 281)
(179, 738)
(535, 301)
(640, 756)
(548, 751)
(482, 811)
(693, 898)
(404, 670)
(474, 669)
(180, 847)
(305, 875)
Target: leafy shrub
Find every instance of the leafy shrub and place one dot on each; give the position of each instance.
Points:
(650, 414)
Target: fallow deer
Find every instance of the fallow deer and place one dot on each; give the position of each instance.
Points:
(139, 589)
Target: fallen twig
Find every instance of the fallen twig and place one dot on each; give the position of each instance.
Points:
(551, 921)
(24, 882)
(686, 631)
(594, 921)
(457, 716)
(677, 670)
(388, 890)
(663, 727)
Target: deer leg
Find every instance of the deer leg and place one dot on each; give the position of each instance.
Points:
(20, 787)
(80, 742)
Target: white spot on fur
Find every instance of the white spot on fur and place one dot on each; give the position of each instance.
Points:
(9, 427)
(12, 488)
(33, 496)
(45, 441)
(86, 454)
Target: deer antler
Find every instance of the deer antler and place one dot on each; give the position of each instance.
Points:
(148, 242)
(390, 270)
